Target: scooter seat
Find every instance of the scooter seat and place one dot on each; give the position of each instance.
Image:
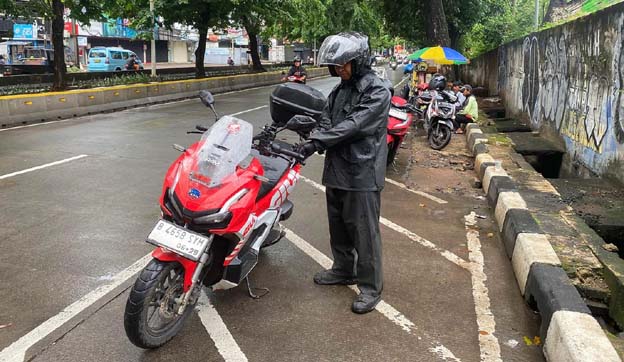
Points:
(274, 169)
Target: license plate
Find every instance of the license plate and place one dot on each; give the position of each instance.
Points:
(398, 114)
(96, 60)
(177, 239)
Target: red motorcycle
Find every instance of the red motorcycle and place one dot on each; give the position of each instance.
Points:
(400, 119)
(295, 79)
(221, 203)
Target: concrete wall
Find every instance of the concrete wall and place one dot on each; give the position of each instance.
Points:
(568, 82)
(179, 51)
(32, 108)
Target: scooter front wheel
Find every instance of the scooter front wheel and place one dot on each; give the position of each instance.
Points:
(392, 151)
(439, 136)
(151, 317)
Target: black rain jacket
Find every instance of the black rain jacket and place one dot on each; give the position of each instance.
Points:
(354, 129)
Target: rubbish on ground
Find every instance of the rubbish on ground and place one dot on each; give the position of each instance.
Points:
(512, 343)
(2, 326)
(536, 341)
(481, 216)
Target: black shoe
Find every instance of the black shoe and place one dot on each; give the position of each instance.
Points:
(365, 303)
(330, 277)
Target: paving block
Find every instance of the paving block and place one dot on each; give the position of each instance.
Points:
(518, 221)
(499, 184)
(549, 289)
(489, 173)
(577, 337)
(531, 249)
(507, 200)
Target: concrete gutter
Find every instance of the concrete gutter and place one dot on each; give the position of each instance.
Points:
(569, 331)
(24, 109)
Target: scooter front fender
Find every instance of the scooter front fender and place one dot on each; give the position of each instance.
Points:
(188, 265)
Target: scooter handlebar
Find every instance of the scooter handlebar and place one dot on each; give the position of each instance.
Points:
(283, 151)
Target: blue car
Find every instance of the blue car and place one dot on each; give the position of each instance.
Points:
(110, 59)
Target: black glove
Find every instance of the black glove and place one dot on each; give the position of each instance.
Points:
(307, 148)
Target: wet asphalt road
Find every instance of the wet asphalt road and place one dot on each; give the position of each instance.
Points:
(72, 227)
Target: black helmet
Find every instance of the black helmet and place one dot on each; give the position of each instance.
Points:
(297, 59)
(344, 47)
(437, 82)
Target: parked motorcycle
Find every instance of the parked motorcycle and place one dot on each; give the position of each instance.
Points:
(393, 65)
(222, 201)
(439, 117)
(400, 119)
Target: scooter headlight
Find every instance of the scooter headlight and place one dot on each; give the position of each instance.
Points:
(219, 220)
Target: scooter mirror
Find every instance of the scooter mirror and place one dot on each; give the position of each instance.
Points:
(206, 97)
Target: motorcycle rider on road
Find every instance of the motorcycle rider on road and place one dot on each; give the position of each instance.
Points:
(353, 133)
(296, 70)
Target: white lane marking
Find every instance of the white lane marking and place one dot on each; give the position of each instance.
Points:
(42, 166)
(218, 331)
(384, 308)
(421, 193)
(248, 110)
(404, 187)
(16, 352)
(453, 258)
(488, 343)
(37, 124)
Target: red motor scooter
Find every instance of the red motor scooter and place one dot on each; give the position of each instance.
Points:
(221, 202)
(400, 119)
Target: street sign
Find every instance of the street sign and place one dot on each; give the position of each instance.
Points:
(24, 32)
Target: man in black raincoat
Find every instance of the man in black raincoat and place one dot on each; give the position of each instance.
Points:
(353, 134)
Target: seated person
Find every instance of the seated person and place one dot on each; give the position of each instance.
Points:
(470, 112)
(132, 64)
(296, 70)
(460, 96)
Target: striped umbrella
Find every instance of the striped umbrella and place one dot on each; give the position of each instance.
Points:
(440, 55)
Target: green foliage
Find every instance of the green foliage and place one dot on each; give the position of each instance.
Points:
(313, 20)
(502, 22)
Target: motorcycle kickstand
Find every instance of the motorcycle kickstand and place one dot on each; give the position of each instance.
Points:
(250, 290)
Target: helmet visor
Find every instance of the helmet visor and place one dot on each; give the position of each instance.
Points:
(339, 50)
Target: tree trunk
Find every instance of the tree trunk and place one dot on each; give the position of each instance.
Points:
(200, 71)
(437, 27)
(253, 48)
(58, 26)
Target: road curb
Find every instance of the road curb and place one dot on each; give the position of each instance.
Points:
(42, 107)
(569, 331)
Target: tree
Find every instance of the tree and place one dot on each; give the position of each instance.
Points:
(81, 10)
(313, 20)
(437, 26)
(254, 16)
(199, 14)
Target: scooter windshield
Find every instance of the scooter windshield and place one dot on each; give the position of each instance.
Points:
(224, 145)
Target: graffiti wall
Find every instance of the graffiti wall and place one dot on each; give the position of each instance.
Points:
(569, 79)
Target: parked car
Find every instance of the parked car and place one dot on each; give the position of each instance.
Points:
(34, 60)
(110, 59)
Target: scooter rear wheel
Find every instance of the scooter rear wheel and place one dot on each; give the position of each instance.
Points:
(151, 318)
(439, 136)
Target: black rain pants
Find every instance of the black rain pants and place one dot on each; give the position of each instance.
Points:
(354, 236)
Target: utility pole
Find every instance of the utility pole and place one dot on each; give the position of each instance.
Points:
(314, 51)
(536, 15)
(153, 39)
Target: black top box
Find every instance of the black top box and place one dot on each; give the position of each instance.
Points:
(290, 99)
